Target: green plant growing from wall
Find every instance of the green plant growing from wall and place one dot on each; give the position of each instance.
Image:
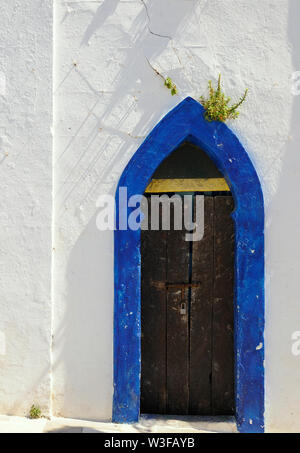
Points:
(35, 412)
(168, 82)
(217, 106)
(171, 85)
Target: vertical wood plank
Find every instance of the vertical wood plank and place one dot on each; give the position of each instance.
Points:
(223, 314)
(178, 256)
(201, 317)
(153, 321)
(177, 356)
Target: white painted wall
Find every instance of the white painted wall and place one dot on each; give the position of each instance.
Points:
(25, 204)
(106, 100)
(283, 261)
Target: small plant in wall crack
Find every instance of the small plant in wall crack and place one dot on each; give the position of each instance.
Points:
(217, 106)
(168, 82)
(35, 412)
(171, 85)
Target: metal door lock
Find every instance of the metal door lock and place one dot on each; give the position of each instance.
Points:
(183, 308)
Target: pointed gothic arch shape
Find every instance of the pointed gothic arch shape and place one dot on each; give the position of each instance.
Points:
(186, 123)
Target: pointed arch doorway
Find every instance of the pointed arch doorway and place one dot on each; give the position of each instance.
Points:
(186, 123)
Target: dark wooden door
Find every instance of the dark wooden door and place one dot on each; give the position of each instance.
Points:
(187, 317)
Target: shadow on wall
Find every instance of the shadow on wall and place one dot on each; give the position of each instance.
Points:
(284, 256)
(86, 331)
(105, 10)
(135, 74)
(83, 339)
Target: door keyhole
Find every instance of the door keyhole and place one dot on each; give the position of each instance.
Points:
(183, 308)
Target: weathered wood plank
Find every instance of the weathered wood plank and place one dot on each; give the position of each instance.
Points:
(177, 355)
(201, 317)
(178, 256)
(153, 321)
(223, 314)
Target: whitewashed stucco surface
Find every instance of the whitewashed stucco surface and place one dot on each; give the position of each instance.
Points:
(25, 204)
(106, 100)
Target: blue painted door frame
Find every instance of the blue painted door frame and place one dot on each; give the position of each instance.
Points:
(186, 123)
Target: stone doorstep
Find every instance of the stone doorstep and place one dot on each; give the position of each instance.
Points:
(147, 424)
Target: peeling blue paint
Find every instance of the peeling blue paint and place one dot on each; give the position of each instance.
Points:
(186, 123)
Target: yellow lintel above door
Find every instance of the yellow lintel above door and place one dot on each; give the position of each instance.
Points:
(188, 185)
